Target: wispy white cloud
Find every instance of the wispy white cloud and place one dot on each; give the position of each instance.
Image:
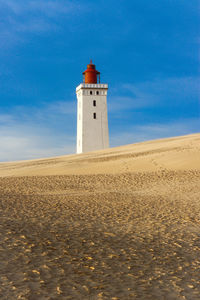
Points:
(52, 111)
(6, 118)
(122, 103)
(172, 88)
(159, 92)
(48, 7)
(35, 24)
(34, 16)
(23, 143)
(27, 133)
(133, 112)
(63, 107)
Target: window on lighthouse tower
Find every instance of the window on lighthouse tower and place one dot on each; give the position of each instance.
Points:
(94, 116)
(94, 102)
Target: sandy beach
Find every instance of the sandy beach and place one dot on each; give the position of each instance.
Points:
(122, 223)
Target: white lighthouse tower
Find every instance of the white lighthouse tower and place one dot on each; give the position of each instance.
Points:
(92, 120)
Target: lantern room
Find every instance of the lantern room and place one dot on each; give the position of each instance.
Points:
(91, 75)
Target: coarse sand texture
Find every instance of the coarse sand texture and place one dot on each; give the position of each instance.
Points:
(122, 223)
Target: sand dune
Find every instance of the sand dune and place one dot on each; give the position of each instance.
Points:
(180, 153)
(121, 223)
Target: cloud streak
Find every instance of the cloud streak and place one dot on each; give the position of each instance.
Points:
(28, 133)
(140, 133)
(23, 143)
(157, 93)
(177, 86)
(36, 17)
(47, 7)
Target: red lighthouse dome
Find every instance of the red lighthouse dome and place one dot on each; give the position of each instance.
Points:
(91, 75)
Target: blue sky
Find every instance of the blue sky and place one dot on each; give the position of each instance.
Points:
(147, 51)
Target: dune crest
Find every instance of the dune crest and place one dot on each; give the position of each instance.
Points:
(179, 153)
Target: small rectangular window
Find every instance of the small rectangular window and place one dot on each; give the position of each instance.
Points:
(90, 92)
(94, 102)
(97, 92)
(94, 115)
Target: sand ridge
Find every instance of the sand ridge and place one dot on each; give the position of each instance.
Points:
(180, 153)
(122, 223)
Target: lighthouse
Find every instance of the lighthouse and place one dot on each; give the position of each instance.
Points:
(92, 120)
